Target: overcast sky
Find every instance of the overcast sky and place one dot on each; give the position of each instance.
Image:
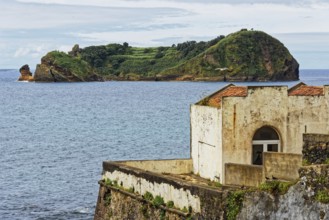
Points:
(31, 28)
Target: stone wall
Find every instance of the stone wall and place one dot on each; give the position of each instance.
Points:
(316, 178)
(283, 166)
(124, 197)
(243, 175)
(307, 199)
(177, 166)
(316, 149)
(119, 205)
(144, 181)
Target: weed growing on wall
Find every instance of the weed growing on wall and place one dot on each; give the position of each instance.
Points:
(234, 204)
(158, 201)
(170, 204)
(276, 187)
(148, 196)
(108, 199)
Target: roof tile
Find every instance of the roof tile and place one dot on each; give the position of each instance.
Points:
(232, 91)
(305, 90)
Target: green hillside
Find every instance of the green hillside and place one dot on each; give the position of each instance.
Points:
(241, 56)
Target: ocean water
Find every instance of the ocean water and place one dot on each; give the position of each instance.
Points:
(54, 136)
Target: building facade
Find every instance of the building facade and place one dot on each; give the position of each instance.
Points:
(236, 124)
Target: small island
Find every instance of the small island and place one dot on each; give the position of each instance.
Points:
(246, 55)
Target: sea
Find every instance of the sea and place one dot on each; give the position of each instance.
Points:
(55, 136)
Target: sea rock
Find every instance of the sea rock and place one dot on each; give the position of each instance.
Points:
(26, 74)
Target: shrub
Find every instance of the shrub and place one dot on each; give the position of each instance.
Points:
(170, 204)
(158, 201)
(148, 196)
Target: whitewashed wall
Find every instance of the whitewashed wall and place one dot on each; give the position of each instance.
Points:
(206, 142)
(180, 196)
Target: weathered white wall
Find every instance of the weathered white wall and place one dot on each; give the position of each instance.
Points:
(240, 117)
(180, 196)
(206, 142)
(306, 114)
(243, 116)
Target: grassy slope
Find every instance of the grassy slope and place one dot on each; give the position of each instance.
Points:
(76, 65)
(244, 54)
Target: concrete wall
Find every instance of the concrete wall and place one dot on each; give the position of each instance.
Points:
(283, 166)
(144, 181)
(243, 116)
(177, 166)
(243, 175)
(206, 139)
(306, 114)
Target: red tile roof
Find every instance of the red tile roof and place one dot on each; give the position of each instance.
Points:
(232, 91)
(305, 90)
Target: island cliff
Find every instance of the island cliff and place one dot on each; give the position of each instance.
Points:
(241, 56)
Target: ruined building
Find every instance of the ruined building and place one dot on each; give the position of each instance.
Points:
(241, 136)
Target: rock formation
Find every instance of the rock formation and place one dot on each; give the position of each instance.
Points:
(61, 67)
(26, 74)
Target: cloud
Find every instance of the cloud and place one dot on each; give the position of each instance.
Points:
(20, 52)
(171, 3)
(32, 50)
(34, 27)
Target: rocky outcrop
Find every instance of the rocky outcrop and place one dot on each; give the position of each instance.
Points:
(61, 67)
(295, 204)
(26, 74)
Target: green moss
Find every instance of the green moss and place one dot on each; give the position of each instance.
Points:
(305, 162)
(170, 204)
(322, 196)
(215, 184)
(148, 196)
(234, 204)
(107, 199)
(184, 209)
(131, 190)
(108, 182)
(158, 201)
(276, 187)
(326, 161)
(144, 211)
(162, 214)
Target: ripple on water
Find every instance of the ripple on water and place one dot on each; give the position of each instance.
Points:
(54, 137)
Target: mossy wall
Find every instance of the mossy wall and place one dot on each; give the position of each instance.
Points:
(315, 149)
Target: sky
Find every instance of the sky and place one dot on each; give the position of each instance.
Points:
(31, 28)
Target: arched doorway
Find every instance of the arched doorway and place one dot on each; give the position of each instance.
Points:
(265, 139)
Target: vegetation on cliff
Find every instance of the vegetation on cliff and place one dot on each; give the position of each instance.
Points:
(241, 56)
